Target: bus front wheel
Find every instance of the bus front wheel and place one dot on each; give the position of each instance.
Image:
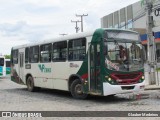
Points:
(77, 90)
(30, 84)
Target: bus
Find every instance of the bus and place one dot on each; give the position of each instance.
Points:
(101, 62)
(8, 66)
(4, 66)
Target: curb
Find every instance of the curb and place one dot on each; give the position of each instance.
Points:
(152, 87)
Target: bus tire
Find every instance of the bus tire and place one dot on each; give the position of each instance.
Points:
(76, 90)
(30, 84)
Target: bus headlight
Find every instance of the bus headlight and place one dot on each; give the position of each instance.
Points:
(143, 77)
(109, 79)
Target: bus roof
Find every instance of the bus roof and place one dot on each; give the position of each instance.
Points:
(62, 38)
(69, 37)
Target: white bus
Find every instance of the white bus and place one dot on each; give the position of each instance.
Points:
(4, 66)
(103, 62)
(8, 66)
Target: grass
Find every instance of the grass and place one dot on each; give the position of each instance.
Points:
(158, 69)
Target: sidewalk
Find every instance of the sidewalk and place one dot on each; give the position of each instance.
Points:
(152, 87)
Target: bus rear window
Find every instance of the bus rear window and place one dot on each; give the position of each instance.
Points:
(8, 63)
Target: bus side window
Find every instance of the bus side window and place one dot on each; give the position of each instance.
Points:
(77, 49)
(34, 54)
(15, 56)
(59, 51)
(26, 55)
(45, 51)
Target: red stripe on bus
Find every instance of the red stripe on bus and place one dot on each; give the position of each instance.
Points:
(84, 76)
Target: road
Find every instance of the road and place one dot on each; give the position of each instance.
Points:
(14, 97)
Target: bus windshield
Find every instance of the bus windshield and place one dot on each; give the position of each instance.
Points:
(124, 56)
(1, 61)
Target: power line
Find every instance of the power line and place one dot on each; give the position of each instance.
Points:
(140, 15)
(133, 20)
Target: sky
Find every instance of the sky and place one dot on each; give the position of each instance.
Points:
(28, 21)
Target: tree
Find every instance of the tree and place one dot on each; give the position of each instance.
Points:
(7, 56)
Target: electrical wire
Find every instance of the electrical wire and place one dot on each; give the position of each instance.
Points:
(140, 15)
(134, 19)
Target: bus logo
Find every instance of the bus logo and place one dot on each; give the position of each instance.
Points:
(44, 69)
(6, 114)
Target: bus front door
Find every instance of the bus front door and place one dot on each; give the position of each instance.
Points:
(94, 66)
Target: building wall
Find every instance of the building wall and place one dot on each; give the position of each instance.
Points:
(139, 16)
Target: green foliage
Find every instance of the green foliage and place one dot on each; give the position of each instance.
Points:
(142, 2)
(7, 56)
(158, 69)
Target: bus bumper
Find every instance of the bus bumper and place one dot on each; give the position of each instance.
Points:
(109, 89)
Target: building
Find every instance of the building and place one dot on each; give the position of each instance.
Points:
(134, 17)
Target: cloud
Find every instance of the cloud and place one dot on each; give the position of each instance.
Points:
(24, 21)
(7, 42)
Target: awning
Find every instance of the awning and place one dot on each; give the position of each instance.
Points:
(144, 37)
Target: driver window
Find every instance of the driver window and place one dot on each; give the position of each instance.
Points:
(135, 51)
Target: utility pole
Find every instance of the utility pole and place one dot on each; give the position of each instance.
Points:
(150, 44)
(77, 28)
(81, 20)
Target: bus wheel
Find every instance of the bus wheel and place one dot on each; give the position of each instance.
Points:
(30, 84)
(77, 90)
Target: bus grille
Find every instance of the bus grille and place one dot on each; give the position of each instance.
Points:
(126, 79)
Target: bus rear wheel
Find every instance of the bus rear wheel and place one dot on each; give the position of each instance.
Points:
(30, 84)
(77, 90)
